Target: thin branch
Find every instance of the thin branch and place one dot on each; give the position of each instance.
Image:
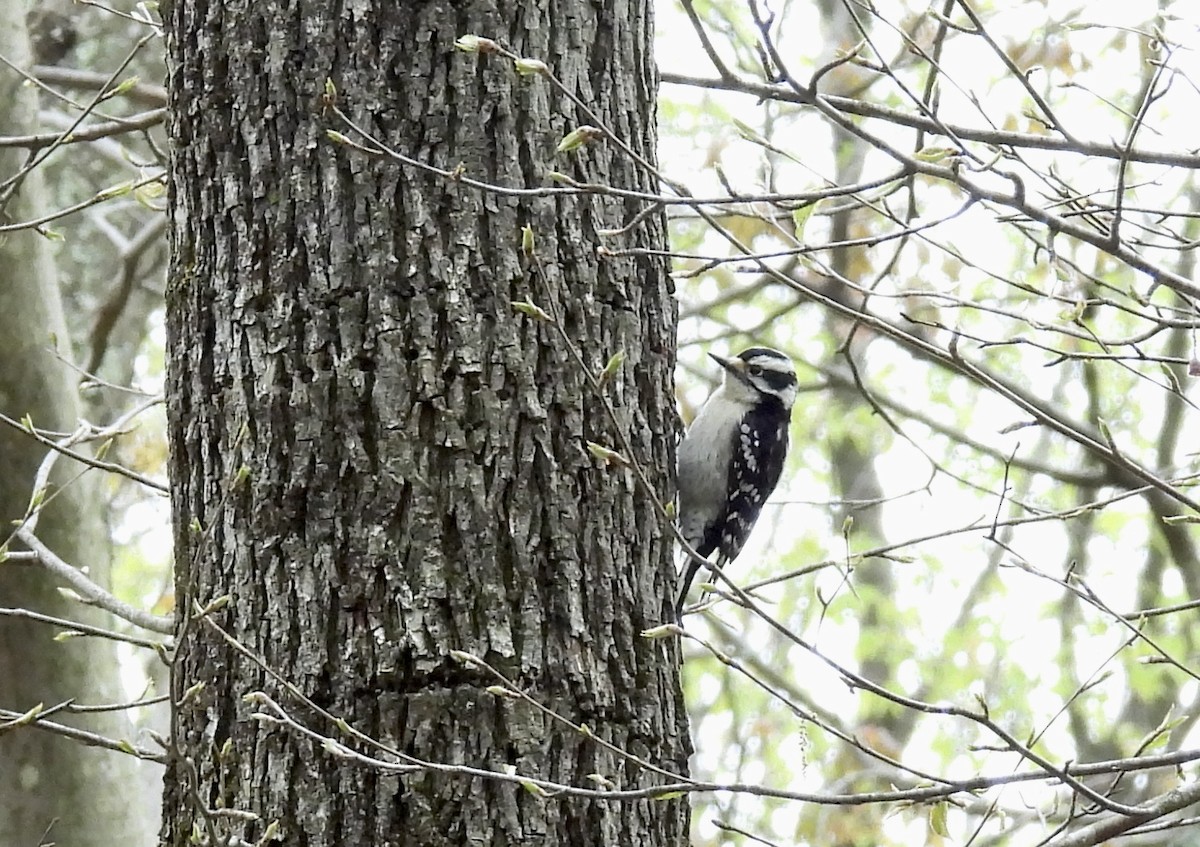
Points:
(1112, 826)
(78, 628)
(90, 591)
(897, 117)
(141, 93)
(17, 720)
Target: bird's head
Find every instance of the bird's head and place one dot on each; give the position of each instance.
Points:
(757, 374)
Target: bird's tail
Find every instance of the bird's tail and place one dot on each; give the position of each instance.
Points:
(691, 568)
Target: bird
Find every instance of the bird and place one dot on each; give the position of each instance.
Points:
(732, 456)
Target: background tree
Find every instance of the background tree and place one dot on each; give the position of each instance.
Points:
(378, 461)
(54, 787)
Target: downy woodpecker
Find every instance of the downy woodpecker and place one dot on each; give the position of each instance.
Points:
(732, 455)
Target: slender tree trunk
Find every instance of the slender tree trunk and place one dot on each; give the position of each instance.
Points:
(52, 787)
(416, 472)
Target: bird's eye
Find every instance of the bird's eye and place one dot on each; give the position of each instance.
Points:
(755, 370)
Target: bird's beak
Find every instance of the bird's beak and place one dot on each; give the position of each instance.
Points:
(734, 366)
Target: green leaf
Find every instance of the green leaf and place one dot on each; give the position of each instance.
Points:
(665, 630)
(601, 781)
(533, 788)
(243, 474)
(613, 366)
(531, 67)
(271, 833)
(1073, 314)
(192, 693)
(335, 748)
(1159, 736)
(604, 454)
(749, 133)
(937, 820)
(476, 44)
(800, 219)
(124, 86)
(576, 138)
(217, 604)
(27, 718)
(527, 308)
(115, 191)
(148, 193)
(935, 154)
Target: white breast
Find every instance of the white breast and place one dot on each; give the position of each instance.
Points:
(704, 458)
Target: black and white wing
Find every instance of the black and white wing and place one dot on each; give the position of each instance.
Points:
(760, 443)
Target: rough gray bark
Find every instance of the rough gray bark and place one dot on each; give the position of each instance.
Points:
(418, 479)
(52, 787)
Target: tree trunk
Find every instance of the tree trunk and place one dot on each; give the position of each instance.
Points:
(418, 479)
(53, 788)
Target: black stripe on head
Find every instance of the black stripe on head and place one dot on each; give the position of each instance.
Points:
(760, 352)
(777, 380)
(775, 372)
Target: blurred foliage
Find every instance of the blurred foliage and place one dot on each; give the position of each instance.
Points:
(991, 573)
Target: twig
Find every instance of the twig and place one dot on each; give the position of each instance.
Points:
(17, 720)
(90, 591)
